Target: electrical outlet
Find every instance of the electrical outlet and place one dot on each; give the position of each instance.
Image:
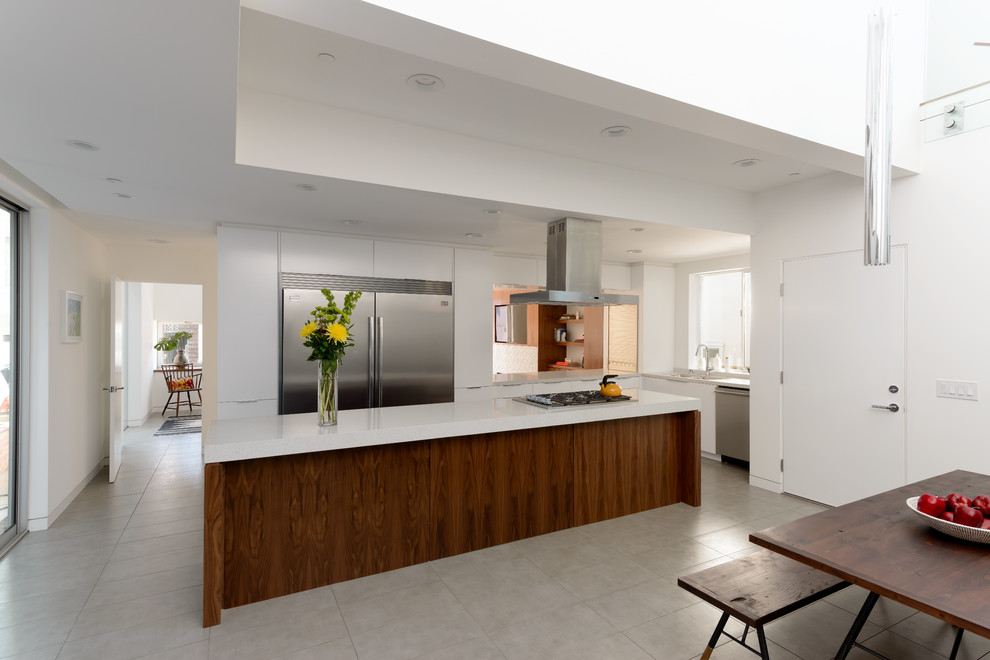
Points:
(957, 389)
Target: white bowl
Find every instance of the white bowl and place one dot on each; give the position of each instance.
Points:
(964, 532)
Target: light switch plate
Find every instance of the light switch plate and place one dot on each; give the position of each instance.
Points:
(957, 389)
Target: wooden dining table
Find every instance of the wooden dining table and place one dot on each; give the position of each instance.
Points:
(880, 544)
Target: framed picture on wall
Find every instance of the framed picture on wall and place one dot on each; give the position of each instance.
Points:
(72, 304)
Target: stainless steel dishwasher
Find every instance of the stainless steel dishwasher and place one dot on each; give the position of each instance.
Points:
(732, 424)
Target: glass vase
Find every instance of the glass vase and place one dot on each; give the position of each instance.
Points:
(326, 393)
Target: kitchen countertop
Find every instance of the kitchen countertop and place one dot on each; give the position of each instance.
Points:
(715, 380)
(258, 437)
(554, 376)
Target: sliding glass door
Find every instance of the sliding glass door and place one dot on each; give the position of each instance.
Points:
(10, 524)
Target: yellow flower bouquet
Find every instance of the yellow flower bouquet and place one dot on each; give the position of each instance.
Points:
(328, 335)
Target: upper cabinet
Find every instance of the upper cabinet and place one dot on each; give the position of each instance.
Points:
(414, 261)
(317, 254)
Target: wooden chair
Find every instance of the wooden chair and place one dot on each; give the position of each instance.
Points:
(756, 589)
(181, 380)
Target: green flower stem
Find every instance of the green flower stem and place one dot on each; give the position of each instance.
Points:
(327, 393)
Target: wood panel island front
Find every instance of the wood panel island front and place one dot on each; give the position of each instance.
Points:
(291, 506)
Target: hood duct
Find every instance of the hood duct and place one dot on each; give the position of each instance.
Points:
(574, 268)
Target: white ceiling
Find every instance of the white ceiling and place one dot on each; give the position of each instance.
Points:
(154, 85)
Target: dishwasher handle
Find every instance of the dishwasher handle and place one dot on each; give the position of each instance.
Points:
(731, 390)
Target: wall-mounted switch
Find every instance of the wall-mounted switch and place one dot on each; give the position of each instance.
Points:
(952, 118)
(957, 389)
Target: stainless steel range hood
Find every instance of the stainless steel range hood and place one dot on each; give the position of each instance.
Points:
(574, 267)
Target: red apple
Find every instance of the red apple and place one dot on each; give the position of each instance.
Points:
(948, 515)
(982, 502)
(955, 500)
(932, 505)
(967, 515)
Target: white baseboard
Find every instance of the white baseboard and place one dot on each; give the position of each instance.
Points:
(765, 484)
(41, 524)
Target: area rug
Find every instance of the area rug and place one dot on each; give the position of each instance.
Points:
(177, 425)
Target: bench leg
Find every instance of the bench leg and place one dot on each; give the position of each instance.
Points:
(857, 626)
(715, 635)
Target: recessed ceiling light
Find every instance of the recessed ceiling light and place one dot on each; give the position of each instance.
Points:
(616, 131)
(474, 234)
(326, 57)
(746, 162)
(425, 82)
(124, 195)
(351, 222)
(110, 179)
(492, 211)
(637, 229)
(634, 251)
(82, 145)
(308, 187)
(159, 241)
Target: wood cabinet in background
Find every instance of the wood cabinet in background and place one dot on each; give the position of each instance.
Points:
(552, 351)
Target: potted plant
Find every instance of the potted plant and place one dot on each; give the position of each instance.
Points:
(175, 341)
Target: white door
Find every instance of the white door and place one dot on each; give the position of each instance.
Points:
(115, 397)
(843, 359)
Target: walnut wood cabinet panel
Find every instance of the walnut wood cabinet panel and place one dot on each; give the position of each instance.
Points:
(631, 465)
(279, 525)
(500, 487)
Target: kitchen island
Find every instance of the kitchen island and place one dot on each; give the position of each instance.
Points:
(290, 506)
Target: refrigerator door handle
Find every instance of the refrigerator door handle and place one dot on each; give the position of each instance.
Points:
(379, 340)
(371, 361)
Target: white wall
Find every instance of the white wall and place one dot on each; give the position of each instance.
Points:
(140, 355)
(76, 405)
(684, 319)
(941, 216)
(178, 302)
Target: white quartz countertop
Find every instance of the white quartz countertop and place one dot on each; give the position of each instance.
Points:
(259, 437)
(715, 379)
(554, 376)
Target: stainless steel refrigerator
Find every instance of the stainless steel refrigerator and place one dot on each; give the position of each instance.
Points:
(403, 334)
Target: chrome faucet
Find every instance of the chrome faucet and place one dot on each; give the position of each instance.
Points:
(708, 362)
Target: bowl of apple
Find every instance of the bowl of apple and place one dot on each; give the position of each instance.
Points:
(955, 515)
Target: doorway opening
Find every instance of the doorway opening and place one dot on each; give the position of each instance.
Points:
(152, 311)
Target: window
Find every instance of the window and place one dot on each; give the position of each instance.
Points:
(193, 351)
(723, 317)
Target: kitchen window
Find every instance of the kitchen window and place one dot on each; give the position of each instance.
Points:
(723, 304)
(193, 349)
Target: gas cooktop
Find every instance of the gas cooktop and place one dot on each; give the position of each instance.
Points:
(570, 399)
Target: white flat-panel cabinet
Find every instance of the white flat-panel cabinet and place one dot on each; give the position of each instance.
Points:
(505, 391)
(521, 271)
(247, 315)
(254, 408)
(473, 325)
(472, 394)
(318, 254)
(414, 261)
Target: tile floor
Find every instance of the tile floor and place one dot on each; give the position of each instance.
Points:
(119, 575)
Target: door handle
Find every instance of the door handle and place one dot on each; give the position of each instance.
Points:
(893, 407)
(112, 389)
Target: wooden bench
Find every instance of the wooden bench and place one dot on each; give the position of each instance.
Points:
(757, 589)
